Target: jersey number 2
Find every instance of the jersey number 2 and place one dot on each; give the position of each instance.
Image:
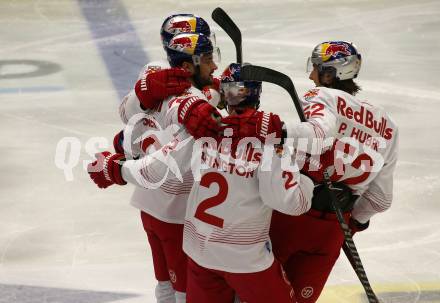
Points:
(290, 182)
(218, 199)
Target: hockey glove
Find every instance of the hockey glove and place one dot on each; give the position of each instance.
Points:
(106, 170)
(199, 118)
(356, 226)
(155, 86)
(253, 123)
(321, 200)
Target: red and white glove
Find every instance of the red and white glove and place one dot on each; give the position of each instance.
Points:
(155, 86)
(356, 226)
(106, 170)
(199, 118)
(253, 123)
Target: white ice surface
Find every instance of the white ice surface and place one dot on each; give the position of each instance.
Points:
(61, 234)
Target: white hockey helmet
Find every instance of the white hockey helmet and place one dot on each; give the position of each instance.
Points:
(338, 57)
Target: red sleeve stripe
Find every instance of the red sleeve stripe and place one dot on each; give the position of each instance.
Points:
(302, 203)
(378, 203)
(171, 186)
(122, 113)
(319, 132)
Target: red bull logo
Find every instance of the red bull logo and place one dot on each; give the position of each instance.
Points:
(334, 50)
(228, 74)
(179, 26)
(311, 93)
(181, 43)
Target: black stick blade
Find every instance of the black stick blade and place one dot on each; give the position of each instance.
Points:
(259, 73)
(226, 23)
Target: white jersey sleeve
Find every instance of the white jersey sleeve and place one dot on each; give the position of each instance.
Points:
(163, 168)
(286, 191)
(129, 107)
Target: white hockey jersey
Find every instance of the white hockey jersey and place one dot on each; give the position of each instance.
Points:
(166, 203)
(359, 143)
(163, 199)
(230, 206)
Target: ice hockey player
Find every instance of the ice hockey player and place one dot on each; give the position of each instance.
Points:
(359, 150)
(163, 207)
(158, 80)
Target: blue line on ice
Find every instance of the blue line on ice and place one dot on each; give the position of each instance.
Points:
(117, 41)
(31, 89)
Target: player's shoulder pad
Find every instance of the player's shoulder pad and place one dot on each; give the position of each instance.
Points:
(321, 95)
(190, 94)
(153, 66)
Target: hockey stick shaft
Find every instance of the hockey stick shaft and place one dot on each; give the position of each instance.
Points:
(226, 23)
(349, 247)
(252, 72)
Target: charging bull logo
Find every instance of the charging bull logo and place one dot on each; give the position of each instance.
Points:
(332, 50)
(180, 26)
(181, 43)
(311, 93)
(228, 74)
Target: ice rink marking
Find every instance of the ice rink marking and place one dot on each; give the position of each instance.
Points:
(114, 34)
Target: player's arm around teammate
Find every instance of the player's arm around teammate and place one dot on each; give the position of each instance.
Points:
(162, 202)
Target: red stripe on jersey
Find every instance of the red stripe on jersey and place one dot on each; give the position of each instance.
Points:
(378, 203)
(122, 113)
(170, 186)
(241, 242)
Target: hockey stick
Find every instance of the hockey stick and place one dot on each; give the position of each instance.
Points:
(259, 73)
(252, 72)
(226, 23)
